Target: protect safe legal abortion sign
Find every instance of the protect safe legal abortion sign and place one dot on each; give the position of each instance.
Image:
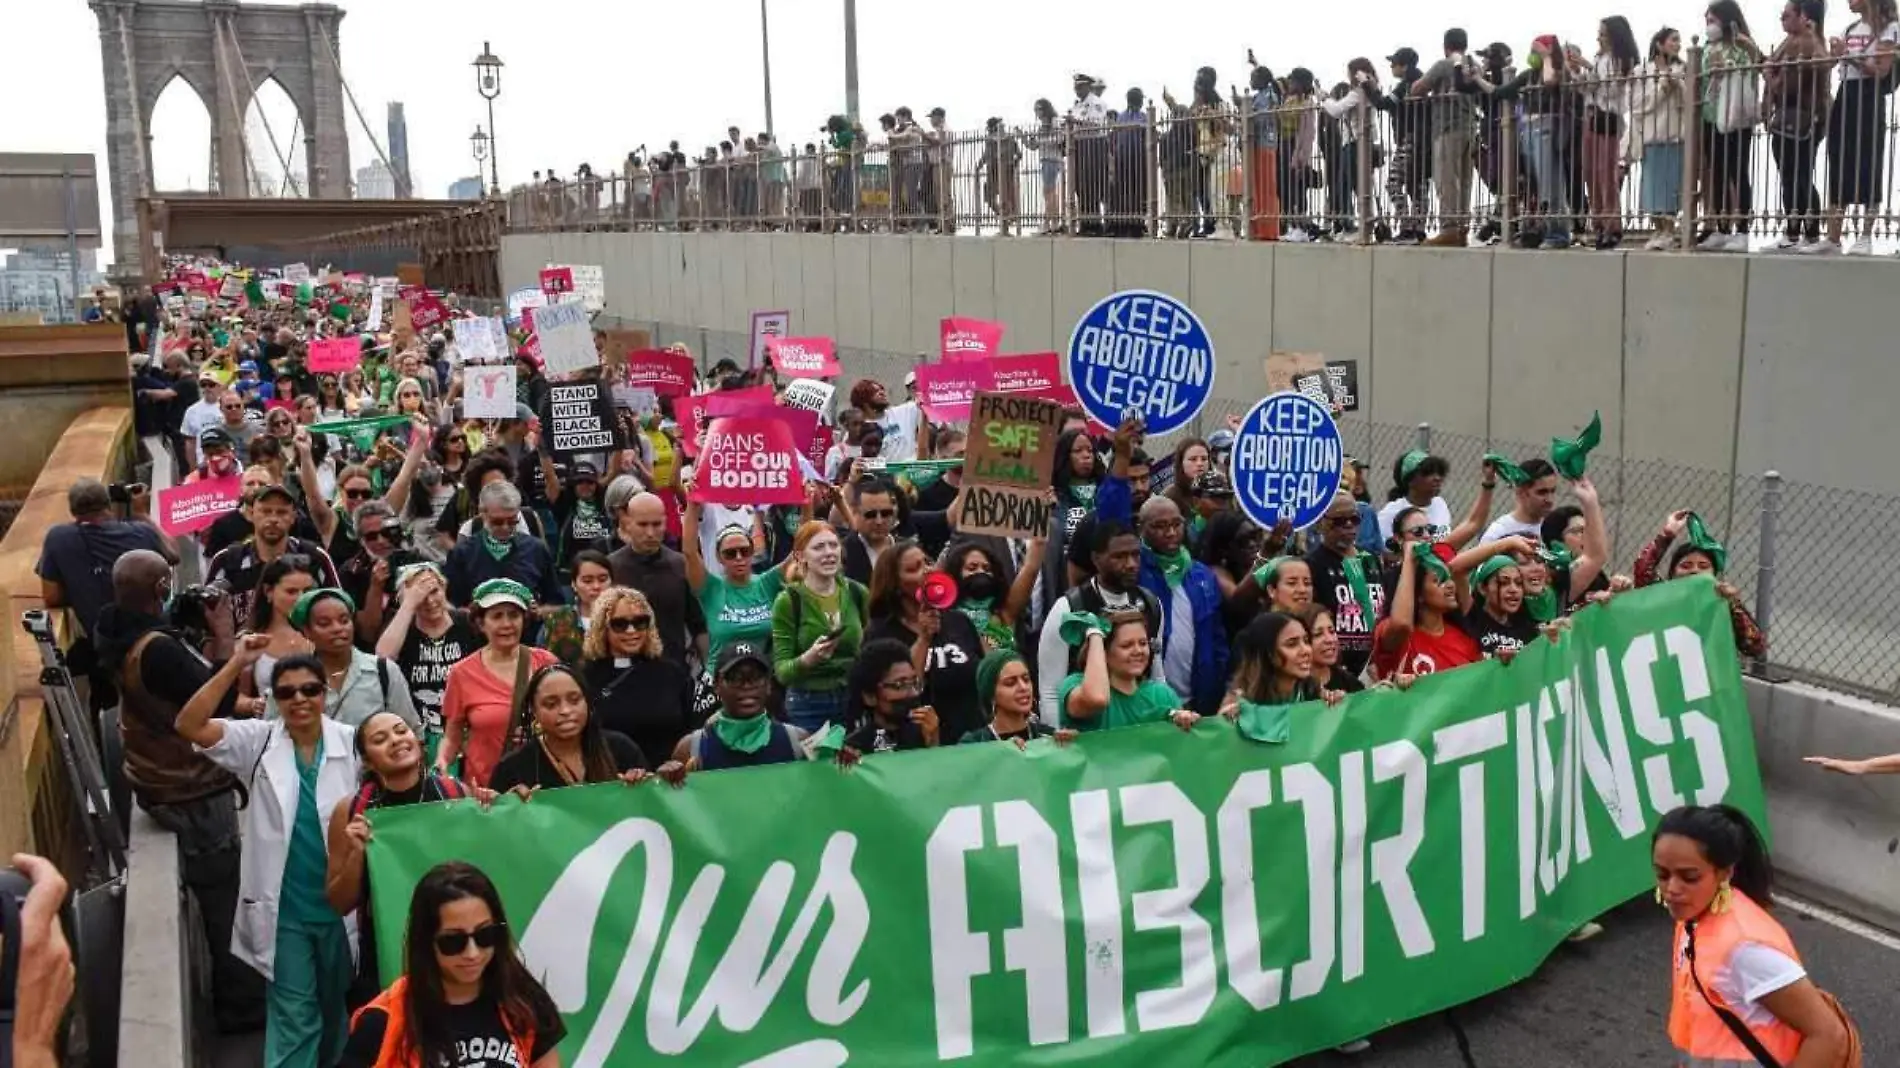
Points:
(1143, 351)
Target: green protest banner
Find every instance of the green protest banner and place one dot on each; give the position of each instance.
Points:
(1141, 896)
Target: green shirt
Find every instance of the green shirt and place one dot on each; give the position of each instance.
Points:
(306, 863)
(1150, 703)
(799, 620)
(739, 612)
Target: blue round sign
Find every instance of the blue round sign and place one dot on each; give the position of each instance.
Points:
(1142, 351)
(1287, 461)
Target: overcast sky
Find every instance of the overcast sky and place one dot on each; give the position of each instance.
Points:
(587, 81)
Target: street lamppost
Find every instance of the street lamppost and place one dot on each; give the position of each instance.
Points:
(488, 83)
(478, 141)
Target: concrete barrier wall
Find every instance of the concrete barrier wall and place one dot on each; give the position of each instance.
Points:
(1726, 364)
(161, 991)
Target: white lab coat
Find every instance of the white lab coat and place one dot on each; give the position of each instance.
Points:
(266, 746)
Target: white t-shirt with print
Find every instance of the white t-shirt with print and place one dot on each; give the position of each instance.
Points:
(1508, 524)
(1437, 513)
(1863, 42)
(900, 424)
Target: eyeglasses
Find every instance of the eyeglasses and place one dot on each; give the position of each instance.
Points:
(502, 522)
(623, 624)
(910, 685)
(488, 936)
(1343, 520)
(308, 689)
(357, 494)
(879, 513)
(379, 535)
(737, 553)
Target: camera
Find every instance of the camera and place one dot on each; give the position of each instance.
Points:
(123, 492)
(191, 609)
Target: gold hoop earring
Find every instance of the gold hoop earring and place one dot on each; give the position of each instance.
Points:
(1724, 900)
(1659, 899)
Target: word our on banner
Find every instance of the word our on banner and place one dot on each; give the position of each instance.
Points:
(190, 508)
(556, 281)
(749, 460)
(667, 374)
(802, 357)
(1009, 461)
(488, 391)
(1331, 382)
(335, 355)
(945, 390)
(567, 339)
(1145, 351)
(481, 340)
(766, 325)
(964, 338)
(1287, 460)
(1166, 897)
(808, 394)
(580, 418)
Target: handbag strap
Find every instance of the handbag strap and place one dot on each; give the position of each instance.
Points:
(1734, 1023)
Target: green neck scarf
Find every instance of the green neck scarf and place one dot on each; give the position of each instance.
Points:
(743, 735)
(1570, 456)
(1361, 592)
(1270, 723)
(497, 548)
(1542, 605)
(1507, 470)
(1174, 566)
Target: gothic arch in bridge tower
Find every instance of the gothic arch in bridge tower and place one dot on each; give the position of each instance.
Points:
(224, 50)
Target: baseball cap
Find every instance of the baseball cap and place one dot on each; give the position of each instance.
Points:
(502, 591)
(216, 438)
(582, 471)
(740, 652)
(1406, 56)
(1212, 484)
(275, 489)
(208, 376)
(1221, 440)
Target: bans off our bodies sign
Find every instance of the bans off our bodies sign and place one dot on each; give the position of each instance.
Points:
(1141, 897)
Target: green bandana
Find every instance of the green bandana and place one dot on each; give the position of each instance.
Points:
(1272, 724)
(1703, 542)
(1542, 605)
(497, 548)
(340, 311)
(305, 291)
(1487, 569)
(1424, 557)
(1556, 556)
(254, 292)
(921, 474)
(743, 735)
(1409, 463)
(1077, 626)
(1265, 574)
(1356, 578)
(300, 612)
(825, 744)
(1507, 470)
(981, 612)
(362, 432)
(1174, 566)
(1570, 455)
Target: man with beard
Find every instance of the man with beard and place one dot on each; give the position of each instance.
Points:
(1115, 553)
(1193, 641)
(238, 567)
(905, 430)
(1347, 581)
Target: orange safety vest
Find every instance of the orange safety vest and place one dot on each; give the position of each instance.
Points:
(1694, 1026)
(395, 1003)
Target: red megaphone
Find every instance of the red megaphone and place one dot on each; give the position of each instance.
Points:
(939, 591)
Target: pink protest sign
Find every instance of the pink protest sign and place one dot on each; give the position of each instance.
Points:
(802, 357)
(970, 339)
(557, 280)
(735, 401)
(945, 389)
(426, 311)
(335, 355)
(1035, 373)
(821, 439)
(690, 413)
(194, 506)
(667, 374)
(749, 459)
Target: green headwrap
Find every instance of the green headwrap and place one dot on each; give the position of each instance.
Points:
(1265, 574)
(1174, 566)
(1487, 569)
(1409, 463)
(988, 671)
(300, 612)
(1424, 557)
(1269, 723)
(1557, 556)
(1077, 626)
(747, 735)
(1507, 470)
(340, 311)
(1703, 542)
(1570, 455)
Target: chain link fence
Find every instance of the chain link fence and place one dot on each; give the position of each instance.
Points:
(1828, 615)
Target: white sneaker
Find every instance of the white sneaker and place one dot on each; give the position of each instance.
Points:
(1861, 247)
(1823, 247)
(1717, 241)
(1297, 237)
(1660, 243)
(1786, 244)
(1589, 930)
(1357, 1045)
(1738, 242)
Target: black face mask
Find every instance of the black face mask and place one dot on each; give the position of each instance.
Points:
(901, 710)
(978, 587)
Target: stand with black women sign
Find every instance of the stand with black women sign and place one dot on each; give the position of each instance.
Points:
(580, 419)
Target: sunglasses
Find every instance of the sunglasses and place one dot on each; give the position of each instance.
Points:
(736, 553)
(308, 689)
(357, 495)
(623, 624)
(1417, 532)
(379, 535)
(1343, 520)
(879, 513)
(452, 943)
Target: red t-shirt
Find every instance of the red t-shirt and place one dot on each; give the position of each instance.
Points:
(1424, 654)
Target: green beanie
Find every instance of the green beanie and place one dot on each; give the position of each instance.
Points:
(988, 670)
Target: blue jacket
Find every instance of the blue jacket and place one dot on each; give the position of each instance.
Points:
(1114, 500)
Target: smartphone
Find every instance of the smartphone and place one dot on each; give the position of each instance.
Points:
(835, 634)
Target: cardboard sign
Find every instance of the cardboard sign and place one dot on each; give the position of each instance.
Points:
(409, 274)
(1142, 351)
(1333, 383)
(667, 374)
(556, 281)
(488, 392)
(589, 282)
(616, 345)
(296, 273)
(1008, 465)
(765, 326)
(1034, 373)
(481, 340)
(970, 339)
(402, 330)
(580, 419)
(749, 460)
(802, 357)
(190, 508)
(232, 289)
(946, 389)
(567, 339)
(1287, 461)
(373, 321)
(809, 394)
(335, 355)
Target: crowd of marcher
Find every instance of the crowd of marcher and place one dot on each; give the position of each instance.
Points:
(409, 605)
(1554, 133)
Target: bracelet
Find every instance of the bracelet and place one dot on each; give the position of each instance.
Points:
(1487, 485)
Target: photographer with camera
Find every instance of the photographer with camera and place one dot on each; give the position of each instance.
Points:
(76, 559)
(38, 977)
(157, 671)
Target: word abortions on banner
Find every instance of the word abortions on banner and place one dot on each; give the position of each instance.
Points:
(335, 355)
(488, 391)
(1147, 897)
(481, 340)
(567, 341)
(945, 390)
(802, 357)
(556, 281)
(1287, 460)
(190, 508)
(1009, 460)
(765, 326)
(808, 394)
(749, 460)
(580, 418)
(667, 374)
(1142, 350)
(970, 339)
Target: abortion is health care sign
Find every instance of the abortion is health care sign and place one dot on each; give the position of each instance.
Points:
(1287, 460)
(1144, 351)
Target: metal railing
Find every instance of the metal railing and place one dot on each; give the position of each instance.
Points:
(1708, 141)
